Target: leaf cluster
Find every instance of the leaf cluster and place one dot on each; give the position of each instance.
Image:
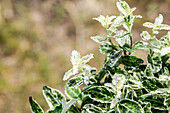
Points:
(124, 84)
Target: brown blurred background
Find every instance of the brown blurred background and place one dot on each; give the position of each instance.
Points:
(37, 37)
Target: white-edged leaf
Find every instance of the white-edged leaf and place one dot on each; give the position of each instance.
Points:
(53, 97)
(73, 92)
(145, 35)
(129, 106)
(87, 58)
(75, 57)
(131, 10)
(101, 19)
(141, 46)
(100, 94)
(159, 20)
(67, 105)
(149, 25)
(165, 51)
(123, 7)
(69, 73)
(90, 108)
(99, 39)
(163, 27)
(35, 107)
(117, 22)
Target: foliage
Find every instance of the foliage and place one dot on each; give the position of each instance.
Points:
(124, 84)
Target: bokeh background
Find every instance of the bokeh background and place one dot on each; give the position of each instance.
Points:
(37, 37)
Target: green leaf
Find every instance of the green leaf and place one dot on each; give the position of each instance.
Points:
(73, 92)
(52, 96)
(75, 81)
(155, 62)
(129, 106)
(90, 108)
(112, 59)
(145, 35)
(35, 107)
(100, 94)
(159, 20)
(141, 46)
(107, 48)
(99, 39)
(131, 61)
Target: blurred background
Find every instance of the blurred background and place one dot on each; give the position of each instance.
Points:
(38, 36)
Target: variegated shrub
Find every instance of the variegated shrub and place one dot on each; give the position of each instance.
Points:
(124, 84)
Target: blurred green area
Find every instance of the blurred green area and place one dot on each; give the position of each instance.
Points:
(37, 37)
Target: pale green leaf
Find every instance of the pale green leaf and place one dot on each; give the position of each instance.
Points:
(159, 20)
(141, 46)
(163, 27)
(101, 19)
(165, 51)
(99, 39)
(75, 57)
(118, 21)
(86, 58)
(149, 25)
(69, 73)
(123, 7)
(145, 35)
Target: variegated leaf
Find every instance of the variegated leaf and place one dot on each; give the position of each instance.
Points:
(100, 94)
(90, 108)
(73, 92)
(155, 62)
(35, 107)
(129, 106)
(159, 20)
(145, 35)
(99, 39)
(53, 97)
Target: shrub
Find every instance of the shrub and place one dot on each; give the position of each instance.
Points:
(124, 84)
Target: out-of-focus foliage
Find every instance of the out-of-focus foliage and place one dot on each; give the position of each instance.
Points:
(34, 33)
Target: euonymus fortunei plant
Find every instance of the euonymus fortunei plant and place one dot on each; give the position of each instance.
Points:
(124, 84)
